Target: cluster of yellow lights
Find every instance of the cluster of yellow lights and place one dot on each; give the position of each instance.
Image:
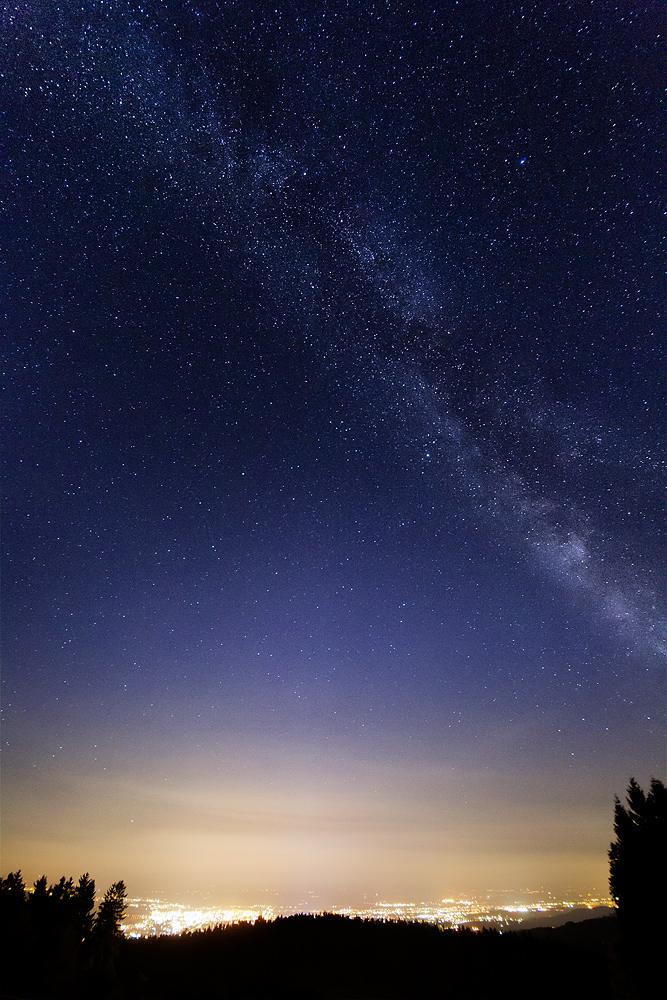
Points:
(147, 917)
(468, 912)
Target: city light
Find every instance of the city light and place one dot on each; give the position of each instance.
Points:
(148, 917)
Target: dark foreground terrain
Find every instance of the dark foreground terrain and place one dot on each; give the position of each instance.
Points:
(333, 958)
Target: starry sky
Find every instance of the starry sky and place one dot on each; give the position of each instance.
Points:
(333, 523)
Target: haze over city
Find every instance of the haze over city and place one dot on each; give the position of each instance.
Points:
(333, 523)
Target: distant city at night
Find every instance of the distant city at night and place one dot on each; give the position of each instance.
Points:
(153, 916)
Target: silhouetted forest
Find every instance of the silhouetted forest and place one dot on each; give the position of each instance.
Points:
(327, 956)
(53, 943)
(56, 946)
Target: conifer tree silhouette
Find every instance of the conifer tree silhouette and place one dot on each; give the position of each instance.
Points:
(638, 887)
(112, 910)
(106, 933)
(84, 904)
(637, 856)
(57, 945)
(13, 922)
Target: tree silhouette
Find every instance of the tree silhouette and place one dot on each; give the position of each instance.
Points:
(84, 904)
(107, 934)
(112, 910)
(12, 895)
(637, 857)
(13, 922)
(58, 946)
(637, 884)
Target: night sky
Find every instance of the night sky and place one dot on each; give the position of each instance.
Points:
(333, 517)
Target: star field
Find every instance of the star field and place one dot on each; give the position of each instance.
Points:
(333, 522)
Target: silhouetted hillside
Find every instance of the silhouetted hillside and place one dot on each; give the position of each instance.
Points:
(575, 915)
(332, 958)
(55, 948)
(597, 933)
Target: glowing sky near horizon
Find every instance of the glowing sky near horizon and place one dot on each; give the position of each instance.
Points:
(333, 524)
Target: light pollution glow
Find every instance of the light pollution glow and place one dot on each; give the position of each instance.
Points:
(285, 822)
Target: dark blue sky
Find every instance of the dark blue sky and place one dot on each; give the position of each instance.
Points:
(333, 515)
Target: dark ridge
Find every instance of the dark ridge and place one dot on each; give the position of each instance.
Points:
(329, 957)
